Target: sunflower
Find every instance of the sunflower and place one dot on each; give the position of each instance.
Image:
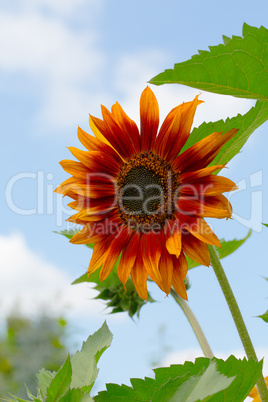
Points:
(255, 394)
(137, 196)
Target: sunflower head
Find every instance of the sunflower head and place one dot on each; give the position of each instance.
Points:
(140, 199)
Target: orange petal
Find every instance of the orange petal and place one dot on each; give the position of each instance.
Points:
(173, 243)
(111, 255)
(89, 142)
(98, 128)
(74, 168)
(127, 125)
(209, 185)
(93, 205)
(116, 135)
(151, 252)
(97, 161)
(149, 116)
(97, 256)
(86, 236)
(180, 268)
(175, 130)
(200, 229)
(203, 152)
(128, 258)
(210, 207)
(166, 271)
(139, 276)
(73, 185)
(198, 174)
(195, 249)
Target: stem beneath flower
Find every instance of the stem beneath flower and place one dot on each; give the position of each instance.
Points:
(237, 316)
(194, 324)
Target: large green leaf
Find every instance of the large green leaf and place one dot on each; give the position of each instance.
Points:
(60, 383)
(202, 386)
(232, 381)
(84, 362)
(239, 67)
(246, 124)
(227, 248)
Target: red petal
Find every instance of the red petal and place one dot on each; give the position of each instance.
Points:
(208, 185)
(127, 125)
(149, 115)
(139, 276)
(166, 270)
(175, 130)
(203, 152)
(128, 258)
(151, 253)
(213, 207)
(116, 135)
(198, 174)
(115, 248)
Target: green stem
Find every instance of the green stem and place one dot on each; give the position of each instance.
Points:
(237, 316)
(194, 324)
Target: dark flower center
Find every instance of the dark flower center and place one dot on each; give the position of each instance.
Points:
(142, 191)
(146, 188)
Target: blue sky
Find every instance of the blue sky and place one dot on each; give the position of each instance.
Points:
(58, 62)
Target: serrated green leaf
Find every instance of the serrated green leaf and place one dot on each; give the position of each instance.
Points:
(238, 68)
(168, 380)
(76, 395)
(60, 383)
(264, 316)
(202, 386)
(84, 362)
(228, 247)
(265, 224)
(44, 378)
(31, 396)
(246, 124)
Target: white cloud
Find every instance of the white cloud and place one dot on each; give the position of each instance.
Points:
(67, 67)
(60, 7)
(61, 62)
(30, 284)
